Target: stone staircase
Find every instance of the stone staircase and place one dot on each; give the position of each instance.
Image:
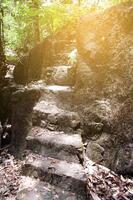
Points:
(69, 176)
(53, 166)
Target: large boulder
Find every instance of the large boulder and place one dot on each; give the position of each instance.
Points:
(105, 49)
(23, 101)
(104, 78)
(29, 68)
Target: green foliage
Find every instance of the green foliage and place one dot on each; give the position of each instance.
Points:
(19, 18)
(120, 1)
(56, 16)
(18, 25)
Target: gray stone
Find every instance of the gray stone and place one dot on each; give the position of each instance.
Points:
(43, 124)
(68, 176)
(95, 152)
(75, 124)
(68, 118)
(80, 131)
(51, 127)
(104, 139)
(52, 119)
(36, 190)
(23, 102)
(60, 75)
(124, 160)
(55, 144)
(51, 113)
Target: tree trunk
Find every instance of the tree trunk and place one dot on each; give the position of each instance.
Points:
(36, 25)
(2, 55)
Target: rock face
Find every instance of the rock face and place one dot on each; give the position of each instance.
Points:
(105, 47)
(104, 80)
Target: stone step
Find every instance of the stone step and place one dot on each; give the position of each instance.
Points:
(53, 88)
(58, 88)
(34, 189)
(49, 112)
(55, 144)
(68, 176)
(60, 75)
(62, 95)
(54, 92)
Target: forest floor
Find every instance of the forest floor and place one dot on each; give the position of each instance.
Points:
(10, 178)
(10, 175)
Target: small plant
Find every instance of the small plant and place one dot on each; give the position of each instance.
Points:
(73, 57)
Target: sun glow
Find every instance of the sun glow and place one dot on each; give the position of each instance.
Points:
(99, 3)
